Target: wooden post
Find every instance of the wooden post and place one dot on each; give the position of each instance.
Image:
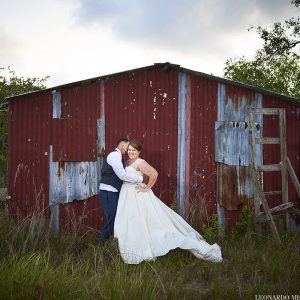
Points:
(283, 156)
(254, 167)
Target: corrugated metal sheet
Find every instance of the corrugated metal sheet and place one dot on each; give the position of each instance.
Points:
(234, 184)
(144, 106)
(78, 134)
(29, 139)
(81, 216)
(184, 142)
(72, 181)
(75, 132)
(202, 162)
(232, 143)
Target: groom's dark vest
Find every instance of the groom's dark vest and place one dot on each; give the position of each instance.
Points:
(108, 176)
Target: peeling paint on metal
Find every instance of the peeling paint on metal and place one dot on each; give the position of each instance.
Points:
(231, 129)
(71, 181)
(232, 143)
(100, 146)
(232, 148)
(181, 143)
(54, 221)
(56, 96)
(235, 186)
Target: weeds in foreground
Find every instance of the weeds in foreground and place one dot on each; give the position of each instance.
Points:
(34, 265)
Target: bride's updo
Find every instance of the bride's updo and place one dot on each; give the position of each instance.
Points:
(136, 145)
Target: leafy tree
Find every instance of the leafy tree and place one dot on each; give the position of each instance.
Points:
(281, 74)
(277, 65)
(11, 85)
(283, 37)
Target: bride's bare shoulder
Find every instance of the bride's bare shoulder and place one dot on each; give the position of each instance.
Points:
(139, 162)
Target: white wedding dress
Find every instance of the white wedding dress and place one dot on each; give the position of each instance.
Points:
(147, 228)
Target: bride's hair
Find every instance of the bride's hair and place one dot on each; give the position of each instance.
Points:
(136, 145)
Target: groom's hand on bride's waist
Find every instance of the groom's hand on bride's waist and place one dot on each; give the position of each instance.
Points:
(145, 178)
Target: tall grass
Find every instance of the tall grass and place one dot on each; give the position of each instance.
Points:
(3, 173)
(34, 265)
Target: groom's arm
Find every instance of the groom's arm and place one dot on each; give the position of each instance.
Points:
(115, 160)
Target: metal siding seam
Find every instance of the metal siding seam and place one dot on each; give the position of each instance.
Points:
(101, 133)
(220, 208)
(54, 219)
(181, 144)
(56, 96)
(187, 144)
(102, 97)
(52, 175)
(221, 219)
(259, 119)
(54, 207)
(221, 101)
(100, 147)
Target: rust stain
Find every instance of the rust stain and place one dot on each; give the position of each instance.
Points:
(234, 186)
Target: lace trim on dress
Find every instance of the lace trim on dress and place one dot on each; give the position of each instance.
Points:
(136, 163)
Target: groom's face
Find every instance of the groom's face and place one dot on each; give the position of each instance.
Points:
(124, 147)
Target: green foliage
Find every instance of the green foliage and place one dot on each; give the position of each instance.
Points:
(210, 231)
(282, 74)
(245, 222)
(10, 85)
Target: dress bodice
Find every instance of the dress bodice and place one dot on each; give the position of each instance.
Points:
(133, 167)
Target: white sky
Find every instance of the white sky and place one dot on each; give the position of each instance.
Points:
(73, 40)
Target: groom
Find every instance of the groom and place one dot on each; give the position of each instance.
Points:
(112, 176)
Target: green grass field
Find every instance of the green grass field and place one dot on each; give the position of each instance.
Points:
(34, 265)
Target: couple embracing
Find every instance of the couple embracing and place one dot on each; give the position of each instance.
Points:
(144, 226)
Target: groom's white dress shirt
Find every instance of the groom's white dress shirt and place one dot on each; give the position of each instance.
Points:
(114, 159)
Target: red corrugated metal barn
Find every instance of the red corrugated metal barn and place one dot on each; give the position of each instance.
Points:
(193, 128)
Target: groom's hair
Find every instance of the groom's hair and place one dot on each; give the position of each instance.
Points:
(122, 140)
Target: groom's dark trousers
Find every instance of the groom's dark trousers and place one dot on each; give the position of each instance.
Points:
(108, 202)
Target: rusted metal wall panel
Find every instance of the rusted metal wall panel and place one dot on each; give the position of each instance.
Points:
(144, 105)
(232, 143)
(234, 184)
(72, 180)
(81, 217)
(74, 161)
(271, 153)
(28, 155)
(75, 132)
(184, 143)
(231, 129)
(202, 162)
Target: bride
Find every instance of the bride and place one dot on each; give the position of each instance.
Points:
(147, 228)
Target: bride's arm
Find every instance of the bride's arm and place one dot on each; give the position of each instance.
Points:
(145, 168)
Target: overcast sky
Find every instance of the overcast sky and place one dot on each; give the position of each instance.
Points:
(72, 40)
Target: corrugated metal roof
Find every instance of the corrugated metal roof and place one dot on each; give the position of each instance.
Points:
(166, 66)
